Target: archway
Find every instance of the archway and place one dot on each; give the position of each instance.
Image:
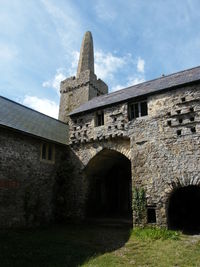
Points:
(109, 186)
(184, 209)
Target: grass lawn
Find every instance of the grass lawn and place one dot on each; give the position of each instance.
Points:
(97, 246)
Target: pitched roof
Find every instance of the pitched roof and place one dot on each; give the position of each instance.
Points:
(21, 118)
(168, 82)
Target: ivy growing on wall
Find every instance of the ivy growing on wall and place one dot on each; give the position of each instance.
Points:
(139, 204)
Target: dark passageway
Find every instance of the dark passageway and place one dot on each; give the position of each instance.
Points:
(109, 191)
(184, 209)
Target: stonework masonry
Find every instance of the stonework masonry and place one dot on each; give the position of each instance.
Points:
(85, 86)
(163, 146)
(27, 184)
(154, 151)
(76, 91)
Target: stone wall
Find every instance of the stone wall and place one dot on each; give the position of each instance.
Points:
(163, 147)
(29, 191)
(78, 90)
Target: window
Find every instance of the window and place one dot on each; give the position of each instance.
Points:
(151, 215)
(99, 118)
(47, 152)
(138, 110)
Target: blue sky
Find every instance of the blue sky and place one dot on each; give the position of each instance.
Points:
(134, 41)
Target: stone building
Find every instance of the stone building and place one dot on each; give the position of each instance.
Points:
(139, 147)
(134, 154)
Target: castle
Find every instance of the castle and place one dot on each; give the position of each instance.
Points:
(132, 154)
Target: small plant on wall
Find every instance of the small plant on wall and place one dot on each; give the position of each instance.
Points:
(139, 205)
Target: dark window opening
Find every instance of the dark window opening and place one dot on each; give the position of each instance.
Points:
(151, 215)
(169, 123)
(178, 132)
(50, 153)
(193, 130)
(183, 99)
(115, 119)
(180, 120)
(115, 126)
(191, 118)
(138, 110)
(168, 113)
(191, 109)
(99, 118)
(144, 110)
(47, 152)
(44, 148)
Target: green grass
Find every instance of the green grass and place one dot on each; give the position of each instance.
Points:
(97, 246)
(155, 233)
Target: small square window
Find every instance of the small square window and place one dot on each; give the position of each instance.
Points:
(191, 109)
(178, 132)
(99, 120)
(183, 99)
(137, 110)
(151, 215)
(191, 118)
(193, 130)
(169, 123)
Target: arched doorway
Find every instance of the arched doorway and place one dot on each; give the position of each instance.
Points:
(109, 186)
(184, 209)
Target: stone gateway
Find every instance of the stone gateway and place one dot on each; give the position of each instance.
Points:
(133, 154)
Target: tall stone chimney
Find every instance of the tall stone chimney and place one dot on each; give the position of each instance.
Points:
(76, 91)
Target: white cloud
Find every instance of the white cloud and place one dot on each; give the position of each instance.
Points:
(140, 65)
(131, 81)
(42, 105)
(108, 67)
(55, 82)
(106, 64)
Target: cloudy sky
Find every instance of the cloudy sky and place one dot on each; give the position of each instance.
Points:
(134, 41)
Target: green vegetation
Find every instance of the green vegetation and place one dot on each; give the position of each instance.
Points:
(139, 204)
(155, 233)
(97, 246)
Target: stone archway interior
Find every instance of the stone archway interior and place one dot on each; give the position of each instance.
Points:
(184, 209)
(109, 188)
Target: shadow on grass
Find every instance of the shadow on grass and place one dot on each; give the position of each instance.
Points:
(59, 245)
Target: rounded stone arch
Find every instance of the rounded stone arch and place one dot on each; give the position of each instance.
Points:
(109, 185)
(121, 146)
(182, 205)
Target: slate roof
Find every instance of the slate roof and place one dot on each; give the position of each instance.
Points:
(168, 82)
(21, 118)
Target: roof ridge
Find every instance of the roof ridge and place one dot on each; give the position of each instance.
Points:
(139, 84)
(19, 104)
(162, 77)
